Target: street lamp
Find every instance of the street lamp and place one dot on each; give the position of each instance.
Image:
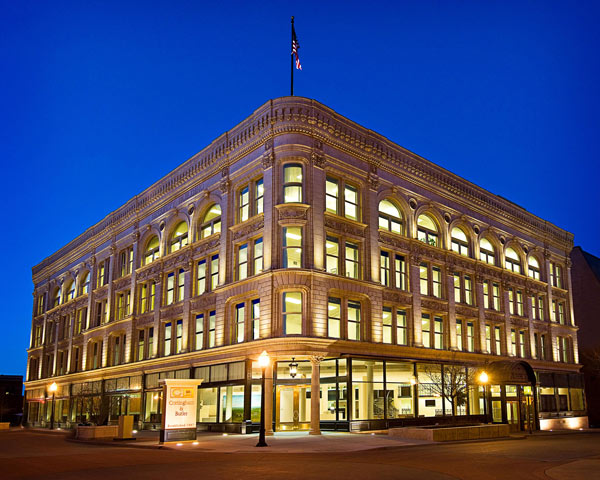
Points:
(293, 368)
(52, 388)
(263, 362)
(483, 379)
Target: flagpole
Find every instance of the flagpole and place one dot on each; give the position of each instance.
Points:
(292, 60)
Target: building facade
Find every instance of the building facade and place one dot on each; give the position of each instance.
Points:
(387, 282)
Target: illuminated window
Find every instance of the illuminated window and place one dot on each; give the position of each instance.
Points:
(400, 272)
(354, 319)
(430, 278)
(352, 260)
(487, 252)
(85, 283)
(424, 278)
(426, 330)
(334, 318)
(56, 297)
(522, 343)
(498, 340)
(240, 322)
(332, 195)
(385, 268)
(211, 223)
(459, 334)
(199, 335)
(201, 277)
(427, 231)
(488, 338)
(556, 275)
(401, 328)
(258, 256)
(125, 261)
(534, 268)
(332, 255)
(214, 272)
(292, 183)
(495, 296)
(141, 342)
(123, 304)
(103, 273)
(346, 206)
(512, 261)
(255, 313)
(513, 341)
(511, 301)
(179, 237)
(175, 287)
(70, 289)
(41, 300)
(151, 252)
(292, 247)
(438, 333)
(460, 244)
(170, 288)
(470, 337)
(519, 302)
(212, 329)
(390, 217)
(242, 263)
(244, 204)
(259, 193)
(292, 313)
(167, 339)
(387, 324)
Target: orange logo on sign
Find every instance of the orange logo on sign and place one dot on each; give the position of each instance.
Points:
(180, 392)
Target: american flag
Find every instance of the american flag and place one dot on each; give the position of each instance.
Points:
(295, 48)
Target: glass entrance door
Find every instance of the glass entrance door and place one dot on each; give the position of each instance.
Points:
(292, 408)
(512, 415)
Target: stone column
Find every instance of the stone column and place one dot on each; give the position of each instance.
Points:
(318, 217)
(529, 314)
(269, 398)
(112, 267)
(507, 320)
(269, 200)
(187, 295)
(315, 395)
(415, 288)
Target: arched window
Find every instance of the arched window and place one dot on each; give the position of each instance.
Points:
(292, 183)
(85, 283)
(70, 291)
(534, 268)
(390, 217)
(460, 244)
(56, 298)
(179, 238)
(427, 230)
(211, 223)
(487, 253)
(512, 261)
(152, 250)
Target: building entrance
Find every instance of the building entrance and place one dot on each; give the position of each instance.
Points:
(292, 408)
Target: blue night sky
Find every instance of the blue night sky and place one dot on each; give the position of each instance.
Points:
(100, 99)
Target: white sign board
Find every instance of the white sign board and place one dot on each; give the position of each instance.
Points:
(179, 403)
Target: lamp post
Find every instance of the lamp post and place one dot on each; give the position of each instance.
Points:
(483, 379)
(263, 363)
(52, 388)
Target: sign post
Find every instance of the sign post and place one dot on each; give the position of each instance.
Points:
(179, 404)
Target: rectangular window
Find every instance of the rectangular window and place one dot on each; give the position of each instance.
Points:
(436, 282)
(543, 347)
(351, 202)
(212, 329)
(170, 288)
(486, 294)
(292, 313)
(292, 247)
(401, 328)
(563, 349)
(519, 303)
(331, 195)
(126, 261)
(561, 313)
(201, 277)
(244, 204)
(496, 295)
(332, 255)
(385, 268)
(152, 296)
(150, 341)
(199, 337)
(179, 338)
(400, 272)
(258, 256)
(459, 334)
(468, 290)
(214, 272)
(180, 284)
(470, 337)
(439, 333)
(536, 343)
(167, 342)
(522, 344)
(554, 312)
(143, 298)
(457, 287)
(334, 318)
(513, 341)
(387, 324)
(259, 193)
(255, 319)
(541, 308)
(426, 330)
(292, 183)
(511, 301)
(140, 345)
(556, 275)
(242, 264)
(424, 279)
(353, 321)
(488, 338)
(240, 316)
(352, 260)
(498, 340)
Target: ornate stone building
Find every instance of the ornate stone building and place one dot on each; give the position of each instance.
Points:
(369, 275)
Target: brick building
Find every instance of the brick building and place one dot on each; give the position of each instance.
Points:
(586, 303)
(386, 281)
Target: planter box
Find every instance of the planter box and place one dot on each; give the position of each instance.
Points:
(103, 431)
(4, 425)
(449, 434)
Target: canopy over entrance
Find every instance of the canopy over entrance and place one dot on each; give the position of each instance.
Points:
(512, 373)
